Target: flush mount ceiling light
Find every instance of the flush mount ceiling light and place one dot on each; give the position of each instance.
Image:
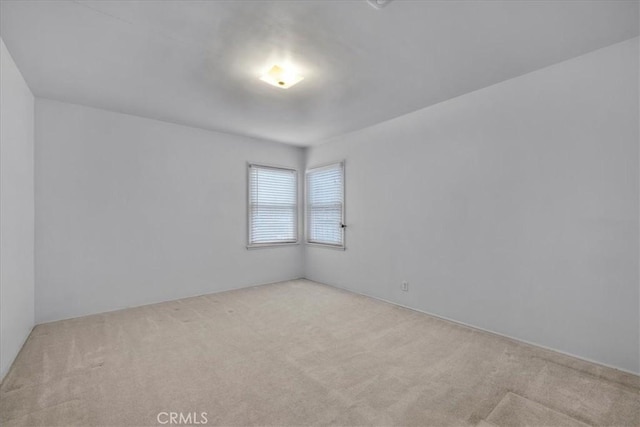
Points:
(379, 4)
(279, 77)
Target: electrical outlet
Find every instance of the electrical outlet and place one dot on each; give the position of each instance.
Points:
(405, 286)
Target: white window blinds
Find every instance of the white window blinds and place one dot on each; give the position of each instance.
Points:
(273, 205)
(325, 205)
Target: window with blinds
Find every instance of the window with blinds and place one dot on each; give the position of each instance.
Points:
(325, 205)
(273, 205)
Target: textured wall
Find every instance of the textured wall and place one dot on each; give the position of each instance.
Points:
(16, 210)
(133, 211)
(513, 208)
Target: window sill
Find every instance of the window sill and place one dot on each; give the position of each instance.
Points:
(325, 245)
(271, 245)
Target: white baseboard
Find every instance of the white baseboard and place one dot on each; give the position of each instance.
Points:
(4, 374)
(519, 340)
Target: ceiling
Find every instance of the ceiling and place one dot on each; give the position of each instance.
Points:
(197, 63)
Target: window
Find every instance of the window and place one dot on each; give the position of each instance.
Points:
(325, 205)
(273, 205)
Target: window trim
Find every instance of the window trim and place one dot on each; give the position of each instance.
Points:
(307, 242)
(297, 214)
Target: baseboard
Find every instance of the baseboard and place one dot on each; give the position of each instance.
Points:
(519, 340)
(4, 374)
(232, 288)
(457, 322)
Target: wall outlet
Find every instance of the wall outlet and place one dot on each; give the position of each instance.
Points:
(405, 286)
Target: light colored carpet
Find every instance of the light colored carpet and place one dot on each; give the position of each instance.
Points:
(517, 411)
(300, 353)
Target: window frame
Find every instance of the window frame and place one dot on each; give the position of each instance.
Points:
(342, 246)
(297, 211)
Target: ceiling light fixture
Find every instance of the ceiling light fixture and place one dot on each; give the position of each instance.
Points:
(379, 4)
(279, 77)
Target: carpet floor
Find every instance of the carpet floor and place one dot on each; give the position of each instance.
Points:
(300, 353)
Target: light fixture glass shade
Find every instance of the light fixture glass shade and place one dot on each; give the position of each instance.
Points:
(279, 77)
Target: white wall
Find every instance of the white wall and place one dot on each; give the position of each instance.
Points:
(132, 211)
(513, 208)
(16, 210)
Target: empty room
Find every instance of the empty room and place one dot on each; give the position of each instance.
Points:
(320, 212)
